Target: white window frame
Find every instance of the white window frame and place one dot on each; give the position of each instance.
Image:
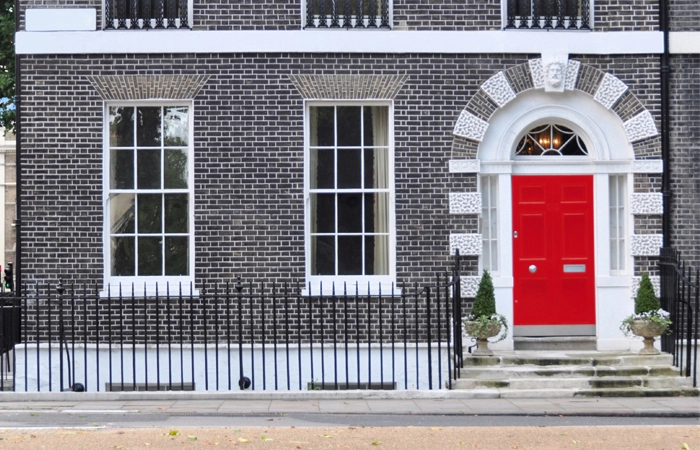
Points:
(146, 284)
(619, 212)
(487, 184)
(366, 284)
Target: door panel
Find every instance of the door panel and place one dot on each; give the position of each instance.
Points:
(553, 252)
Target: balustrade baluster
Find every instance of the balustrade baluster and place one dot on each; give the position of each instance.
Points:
(183, 14)
(560, 14)
(134, 14)
(549, 8)
(525, 10)
(171, 12)
(372, 14)
(385, 14)
(347, 14)
(322, 14)
(585, 15)
(109, 15)
(512, 11)
(160, 14)
(121, 12)
(536, 12)
(146, 8)
(360, 14)
(310, 10)
(334, 14)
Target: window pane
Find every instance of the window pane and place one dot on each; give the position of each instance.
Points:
(176, 256)
(377, 212)
(121, 126)
(322, 126)
(123, 256)
(377, 255)
(121, 208)
(376, 122)
(349, 169)
(350, 255)
(376, 168)
(150, 256)
(148, 126)
(322, 170)
(175, 168)
(176, 126)
(176, 213)
(150, 216)
(350, 213)
(148, 166)
(349, 125)
(322, 255)
(322, 213)
(121, 169)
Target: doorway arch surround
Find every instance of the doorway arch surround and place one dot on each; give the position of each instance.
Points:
(609, 132)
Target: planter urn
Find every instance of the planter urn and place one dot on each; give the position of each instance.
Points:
(481, 335)
(647, 330)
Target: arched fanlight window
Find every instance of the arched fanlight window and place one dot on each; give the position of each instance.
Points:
(552, 139)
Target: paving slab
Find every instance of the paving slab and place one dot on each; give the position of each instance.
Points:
(394, 406)
(343, 406)
(294, 405)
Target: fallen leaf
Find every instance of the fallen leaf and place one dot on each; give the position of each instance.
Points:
(243, 440)
(191, 437)
(575, 441)
(174, 433)
(327, 436)
(375, 442)
(685, 446)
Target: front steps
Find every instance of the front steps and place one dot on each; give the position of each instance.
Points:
(527, 374)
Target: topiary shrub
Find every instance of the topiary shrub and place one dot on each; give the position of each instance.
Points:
(646, 300)
(485, 300)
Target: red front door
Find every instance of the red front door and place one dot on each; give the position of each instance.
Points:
(553, 256)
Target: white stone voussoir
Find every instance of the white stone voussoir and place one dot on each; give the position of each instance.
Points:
(471, 127)
(640, 127)
(610, 90)
(499, 89)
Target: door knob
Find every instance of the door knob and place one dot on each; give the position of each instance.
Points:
(532, 268)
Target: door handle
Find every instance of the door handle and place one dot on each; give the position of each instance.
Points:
(532, 268)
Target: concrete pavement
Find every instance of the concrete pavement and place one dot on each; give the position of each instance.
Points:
(344, 402)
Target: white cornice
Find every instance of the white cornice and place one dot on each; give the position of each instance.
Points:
(338, 41)
(684, 42)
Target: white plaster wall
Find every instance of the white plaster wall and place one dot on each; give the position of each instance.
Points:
(36, 375)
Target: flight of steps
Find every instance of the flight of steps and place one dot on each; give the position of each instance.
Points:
(527, 374)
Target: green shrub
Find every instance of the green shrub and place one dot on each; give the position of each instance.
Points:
(485, 300)
(646, 300)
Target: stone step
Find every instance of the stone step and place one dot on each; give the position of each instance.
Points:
(574, 383)
(588, 343)
(575, 392)
(591, 359)
(531, 371)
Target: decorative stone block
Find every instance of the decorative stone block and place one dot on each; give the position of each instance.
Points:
(465, 166)
(465, 203)
(471, 127)
(647, 203)
(646, 244)
(469, 286)
(537, 72)
(610, 90)
(499, 89)
(648, 166)
(572, 74)
(655, 281)
(467, 243)
(640, 127)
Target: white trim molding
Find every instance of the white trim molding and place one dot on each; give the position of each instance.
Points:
(647, 203)
(684, 42)
(338, 41)
(60, 19)
(648, 166)
(467, 243)
(465, 203)
(465, 166)
(646, 244)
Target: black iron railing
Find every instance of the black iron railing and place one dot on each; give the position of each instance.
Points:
(680, 296)
(347, 14)
(233, 336)
(549, 14)
(146, 14)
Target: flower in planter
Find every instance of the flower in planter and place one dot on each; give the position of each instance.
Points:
(648, 320)
(484, 322)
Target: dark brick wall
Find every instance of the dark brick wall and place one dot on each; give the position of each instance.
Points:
(249, 157)
(684, 15)
(610, 15)
(685, 156)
